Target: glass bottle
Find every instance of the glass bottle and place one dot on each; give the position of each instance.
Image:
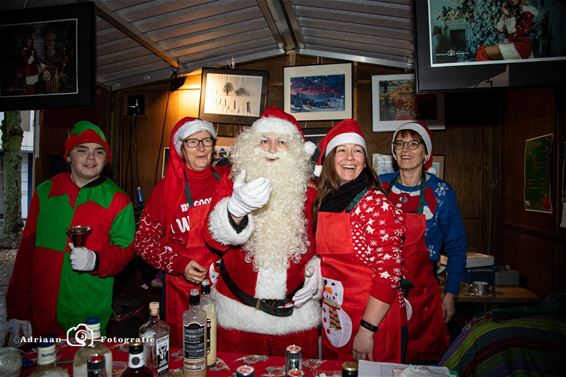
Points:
(194, 337)
(92, 346)
(96, 366)
(209, 308)
(46, 358)
(136, 362)
(155, 337)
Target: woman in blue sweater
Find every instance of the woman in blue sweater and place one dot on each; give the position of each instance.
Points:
(434, 225)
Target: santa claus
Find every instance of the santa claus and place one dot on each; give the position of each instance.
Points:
(269, 285)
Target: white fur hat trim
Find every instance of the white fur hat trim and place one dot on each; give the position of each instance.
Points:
(273, 124)
(350, 137)
(191, 128)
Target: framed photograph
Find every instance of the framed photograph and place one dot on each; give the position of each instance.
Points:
(48, 57)
(438, 165)
(232, 96)
(467, 44)
(394, 102)
(383, 163)
(318, 92)
(314, 135)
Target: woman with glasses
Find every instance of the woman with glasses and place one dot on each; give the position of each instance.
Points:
(433, 225)
(170, 232)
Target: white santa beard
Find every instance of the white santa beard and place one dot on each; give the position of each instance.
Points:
(280, 225)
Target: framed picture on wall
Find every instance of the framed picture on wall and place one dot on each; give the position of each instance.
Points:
(394, 102)
(383, 163)
(232, 96)
(463, 44)
(318, 92)
(438, 165)
(48, 57)
(314, 135)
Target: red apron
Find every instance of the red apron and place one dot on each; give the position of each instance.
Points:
(177, 288)
(347, 283)
(428, 336)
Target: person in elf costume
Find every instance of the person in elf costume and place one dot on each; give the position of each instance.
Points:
(434, 224)
(170, 233)
(261, 223)
(54, 285)
(359, 235)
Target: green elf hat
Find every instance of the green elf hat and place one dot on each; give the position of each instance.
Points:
(86, 132)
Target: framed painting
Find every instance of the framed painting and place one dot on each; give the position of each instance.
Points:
(470, 44)
(394, 102)
(438, 165)
(383, 163)
(314, 135)
(232, 96)
(48, 57)
(318, 92)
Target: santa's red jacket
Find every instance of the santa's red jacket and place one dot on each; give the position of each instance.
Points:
(262, 284)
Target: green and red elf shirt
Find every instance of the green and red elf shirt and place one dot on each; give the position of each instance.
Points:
(44, 289)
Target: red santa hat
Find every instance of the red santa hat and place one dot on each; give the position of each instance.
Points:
(86, 132)
(347, 131)
(276, 120)
(424, 132)
(189, 126)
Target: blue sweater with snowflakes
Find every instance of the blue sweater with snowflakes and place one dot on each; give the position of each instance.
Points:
(444, 228)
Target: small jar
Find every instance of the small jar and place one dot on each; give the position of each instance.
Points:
(349, 369)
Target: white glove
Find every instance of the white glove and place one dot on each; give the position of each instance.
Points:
(248, 197)
(312, 287)
(16, 329)
(82, 259)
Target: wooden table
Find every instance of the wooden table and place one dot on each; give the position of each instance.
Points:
(501, 295)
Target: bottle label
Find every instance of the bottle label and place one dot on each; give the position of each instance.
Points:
(46, 355)
(162, 357)
(194, 341)
(135, 360)
(208, 329)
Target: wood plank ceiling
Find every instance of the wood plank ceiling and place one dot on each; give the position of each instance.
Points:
(140, 41)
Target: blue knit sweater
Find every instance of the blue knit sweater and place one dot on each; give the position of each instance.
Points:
(444, 228)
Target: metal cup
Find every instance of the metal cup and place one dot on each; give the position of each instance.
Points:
(481, 288)
(79, 234)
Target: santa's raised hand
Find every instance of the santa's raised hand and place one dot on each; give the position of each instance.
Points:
(247, 197)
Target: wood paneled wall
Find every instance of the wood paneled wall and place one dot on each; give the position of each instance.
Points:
(532, 242)
(468, 136)
(483, 145)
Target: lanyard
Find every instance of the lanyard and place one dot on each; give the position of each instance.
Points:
(422, 186)
(188, 190)
(356, 200)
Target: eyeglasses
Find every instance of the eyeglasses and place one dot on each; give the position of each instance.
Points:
(193, 143)
(412, 145)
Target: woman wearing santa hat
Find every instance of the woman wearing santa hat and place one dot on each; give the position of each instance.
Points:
(170, 232)
(433, 223)
(359, 238)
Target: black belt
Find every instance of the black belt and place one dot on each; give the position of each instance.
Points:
(271, 307)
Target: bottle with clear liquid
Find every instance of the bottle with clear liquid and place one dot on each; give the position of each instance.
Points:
(92, 346)
(136, 362)
(155, 337)
(209, 308)
(46, 362)
(194, 338)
